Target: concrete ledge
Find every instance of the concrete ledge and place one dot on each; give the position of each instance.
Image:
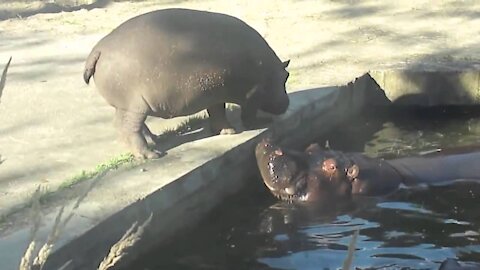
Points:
(179, 188)
(453, 86)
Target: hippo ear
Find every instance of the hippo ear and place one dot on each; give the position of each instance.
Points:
(353, 171)
(313, 148)
(285, 64)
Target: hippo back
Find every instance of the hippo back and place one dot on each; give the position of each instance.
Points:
(173, 53)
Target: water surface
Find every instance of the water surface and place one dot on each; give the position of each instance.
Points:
(411, 229)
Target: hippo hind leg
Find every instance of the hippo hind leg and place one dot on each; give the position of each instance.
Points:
(218, 120)
(132, 126)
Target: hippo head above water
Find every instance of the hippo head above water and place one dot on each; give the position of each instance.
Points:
(317, 174)
(305, 176)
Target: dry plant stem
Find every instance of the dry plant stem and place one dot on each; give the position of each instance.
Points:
(4, 77)
(44, 252)
(119, 249)
(27, 259)
(59, 226)
(351, 249)
(65, 266)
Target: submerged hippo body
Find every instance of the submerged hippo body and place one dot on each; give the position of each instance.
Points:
(317, 174)
(176, 62)
(451, 264)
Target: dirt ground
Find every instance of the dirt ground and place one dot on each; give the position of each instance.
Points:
(52, 125)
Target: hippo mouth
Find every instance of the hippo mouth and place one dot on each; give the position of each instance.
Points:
(276, 105)
(283, 173)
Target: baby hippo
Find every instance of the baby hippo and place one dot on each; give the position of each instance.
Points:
(176, 62)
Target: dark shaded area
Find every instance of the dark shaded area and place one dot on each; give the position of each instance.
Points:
(216, 242)
(8, 177)
(20, 127)
(200, 129)
(36, 71)
(3, 78)
(17, 42)
(443, 58)
(351, 10)
(350, 136)
(57, 8)
(51, 8)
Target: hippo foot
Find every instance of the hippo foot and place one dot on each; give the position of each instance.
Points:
(148, 154)
(224, 130)
(228, 131)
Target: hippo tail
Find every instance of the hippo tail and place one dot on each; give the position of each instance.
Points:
(90, 65)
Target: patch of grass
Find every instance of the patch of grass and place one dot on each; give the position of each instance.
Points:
(111, 164)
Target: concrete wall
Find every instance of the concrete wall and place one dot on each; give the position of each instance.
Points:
(456, 86)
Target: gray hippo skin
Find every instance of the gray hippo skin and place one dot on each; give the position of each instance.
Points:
(177, 62)
(319, 175)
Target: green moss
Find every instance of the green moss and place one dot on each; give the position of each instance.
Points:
(123, 160)
(111, 164)
(127, 158)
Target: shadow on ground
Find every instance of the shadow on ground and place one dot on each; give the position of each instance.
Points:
(365, 32)
(50, 8)
(63, 6)
(45, 68)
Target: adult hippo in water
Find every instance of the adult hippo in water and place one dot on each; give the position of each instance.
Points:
(176, 62)
(317, 174)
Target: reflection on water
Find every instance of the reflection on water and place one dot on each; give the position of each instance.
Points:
(411, 229)
(401, 133)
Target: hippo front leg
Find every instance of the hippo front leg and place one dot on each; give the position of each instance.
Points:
(131, 126)
(218, 120)
(249, 117)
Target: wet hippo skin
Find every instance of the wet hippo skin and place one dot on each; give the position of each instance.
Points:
(176, 62)
(317, 174)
